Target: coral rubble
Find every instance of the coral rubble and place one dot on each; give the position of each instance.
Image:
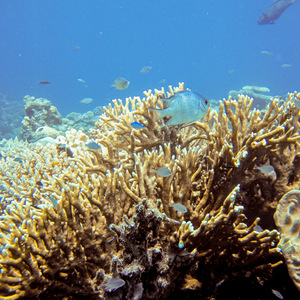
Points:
(75, 221)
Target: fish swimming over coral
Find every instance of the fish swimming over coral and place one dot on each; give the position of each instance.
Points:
(137, 125)
(163, 172)
(113, 284)
(121, 83)
(274, 11)
(93, 146)
(183, 107)
(179, 207)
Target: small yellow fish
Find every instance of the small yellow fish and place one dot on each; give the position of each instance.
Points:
(121, 83)
(55, 163)
(146, 69)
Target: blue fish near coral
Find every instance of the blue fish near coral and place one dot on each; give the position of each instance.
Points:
(137, 125)
(93, 146)
(183, 107)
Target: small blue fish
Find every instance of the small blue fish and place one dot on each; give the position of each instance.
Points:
(163, 172)
(183, 107)
(137, 125)
(93, 146)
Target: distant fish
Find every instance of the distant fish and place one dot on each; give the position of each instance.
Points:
(265, 52)
(277, 294)
(179, 207)
(231, 71)
(86, 100)
(146, 69)
(258, 228)
(163, 172)
(183, 107)
(285, 66)
(44, 82)
(18, 159)
(75, 48)
(113, 284)
(80, 80)
(163, 81)
(53, 201)
(121, 83)
(274, 11)
(137, 125)
(266, 169)
(93, 146)
(110, 239)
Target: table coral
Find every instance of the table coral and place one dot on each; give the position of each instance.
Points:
(75, 218)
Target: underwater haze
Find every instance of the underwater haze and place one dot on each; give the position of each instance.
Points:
(213, 46)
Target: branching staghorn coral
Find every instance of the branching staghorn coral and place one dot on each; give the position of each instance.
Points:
(74, 218)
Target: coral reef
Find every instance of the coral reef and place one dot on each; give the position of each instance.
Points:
(42, 119)
(76, 220)
(256, 92)
(288, 222)
(84, 121)
(38, 113)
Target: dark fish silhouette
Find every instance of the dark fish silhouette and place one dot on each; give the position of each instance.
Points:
(44, 82)
(274, 11)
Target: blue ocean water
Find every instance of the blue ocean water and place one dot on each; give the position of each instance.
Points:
(213, 46)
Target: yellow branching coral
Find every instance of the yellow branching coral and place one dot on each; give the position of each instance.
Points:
(75, 219)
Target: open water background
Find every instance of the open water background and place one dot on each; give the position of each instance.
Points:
(212, 45)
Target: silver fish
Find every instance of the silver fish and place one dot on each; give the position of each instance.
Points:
(93, 146)
(179, 207)
(113, 284)
(258, 228)
(183, 107)
(277, 294)
(266, 168)
(163, 172)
